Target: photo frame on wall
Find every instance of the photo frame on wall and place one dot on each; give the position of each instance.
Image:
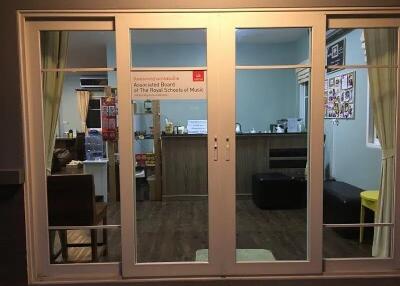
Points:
(339, 96)
(335, 55)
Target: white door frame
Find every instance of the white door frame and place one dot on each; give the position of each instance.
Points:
(221, 76)
(124, 23)
(35, 162)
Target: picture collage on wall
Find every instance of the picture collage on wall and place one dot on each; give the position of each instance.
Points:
(339, 96)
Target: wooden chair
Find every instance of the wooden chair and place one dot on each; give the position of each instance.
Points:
(71, 202)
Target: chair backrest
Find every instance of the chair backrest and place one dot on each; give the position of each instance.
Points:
(71, 200)
(80, 146)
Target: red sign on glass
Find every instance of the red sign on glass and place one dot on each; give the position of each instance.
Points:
(198, 75)
(108, 118)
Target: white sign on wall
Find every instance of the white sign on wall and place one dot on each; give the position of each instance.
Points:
(197, 127)
(158, 85)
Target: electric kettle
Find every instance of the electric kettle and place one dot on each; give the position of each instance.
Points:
(238, 128)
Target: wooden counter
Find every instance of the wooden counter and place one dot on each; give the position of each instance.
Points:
(184, 160)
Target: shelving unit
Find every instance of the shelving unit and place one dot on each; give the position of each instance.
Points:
(154, 169)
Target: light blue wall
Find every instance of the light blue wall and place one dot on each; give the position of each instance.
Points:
(346, 151)
(262, 96)
(169, 55)
(273, 54)
(69, 114)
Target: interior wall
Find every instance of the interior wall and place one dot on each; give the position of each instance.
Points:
(346, 151)
(69, 117)
(262, 96)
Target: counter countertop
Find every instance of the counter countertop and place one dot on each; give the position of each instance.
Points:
(238, 135)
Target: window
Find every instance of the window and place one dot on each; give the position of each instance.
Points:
(372, 135)
(93, 119)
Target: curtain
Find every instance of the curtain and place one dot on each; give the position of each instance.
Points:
(54, 55)
(381, 48)
(83, 103)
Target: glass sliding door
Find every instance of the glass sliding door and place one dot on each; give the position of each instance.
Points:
(361, 109)
(271, 145)
(170, 94)
(77, 211)
(170, 144)
(273, 200)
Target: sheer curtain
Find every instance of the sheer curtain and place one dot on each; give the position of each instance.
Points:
(381, 48)
(54, 55)
(83, 103)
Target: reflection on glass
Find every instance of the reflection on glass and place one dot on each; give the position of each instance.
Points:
(168, 48)
(172, 208)
(272, 46)
(271, 156)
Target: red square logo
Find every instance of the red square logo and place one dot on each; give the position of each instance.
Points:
(198, 75)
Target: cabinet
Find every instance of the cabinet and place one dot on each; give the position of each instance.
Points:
(147, 132)
(98, 168)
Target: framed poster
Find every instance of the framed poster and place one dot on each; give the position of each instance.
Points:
(335, 55)
(339, 96)
(109, 118)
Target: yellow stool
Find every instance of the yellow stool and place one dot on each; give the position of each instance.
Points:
(369, 199)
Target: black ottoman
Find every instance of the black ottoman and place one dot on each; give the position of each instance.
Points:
(342, 206)
(278, 191)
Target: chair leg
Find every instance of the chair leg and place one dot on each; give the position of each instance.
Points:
(93, 242)
(362, 218)
(52, 237)
(105, 238)
(64, 244)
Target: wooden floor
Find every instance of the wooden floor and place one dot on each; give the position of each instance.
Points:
(174, 230)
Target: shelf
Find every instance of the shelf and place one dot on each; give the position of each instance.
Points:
(300, 158)
(143, 113)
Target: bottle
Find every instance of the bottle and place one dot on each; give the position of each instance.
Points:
(70, 134)
(94, 145)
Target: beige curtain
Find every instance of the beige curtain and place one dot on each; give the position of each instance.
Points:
(83, 103)
(54, 55)
(381, 49)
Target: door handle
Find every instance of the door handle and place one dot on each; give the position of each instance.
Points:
(227, 149)
(215, 148)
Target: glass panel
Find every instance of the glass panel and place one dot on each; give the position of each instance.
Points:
(83, 178)
(350, 46)
(271, 157)
(172, 224)
(170, 133)
(169, 48)
(345, 242)
(84, 49)
(352, 163)
(272, 46)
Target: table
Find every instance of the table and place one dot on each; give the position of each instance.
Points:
(369, 200)
(98, 168)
